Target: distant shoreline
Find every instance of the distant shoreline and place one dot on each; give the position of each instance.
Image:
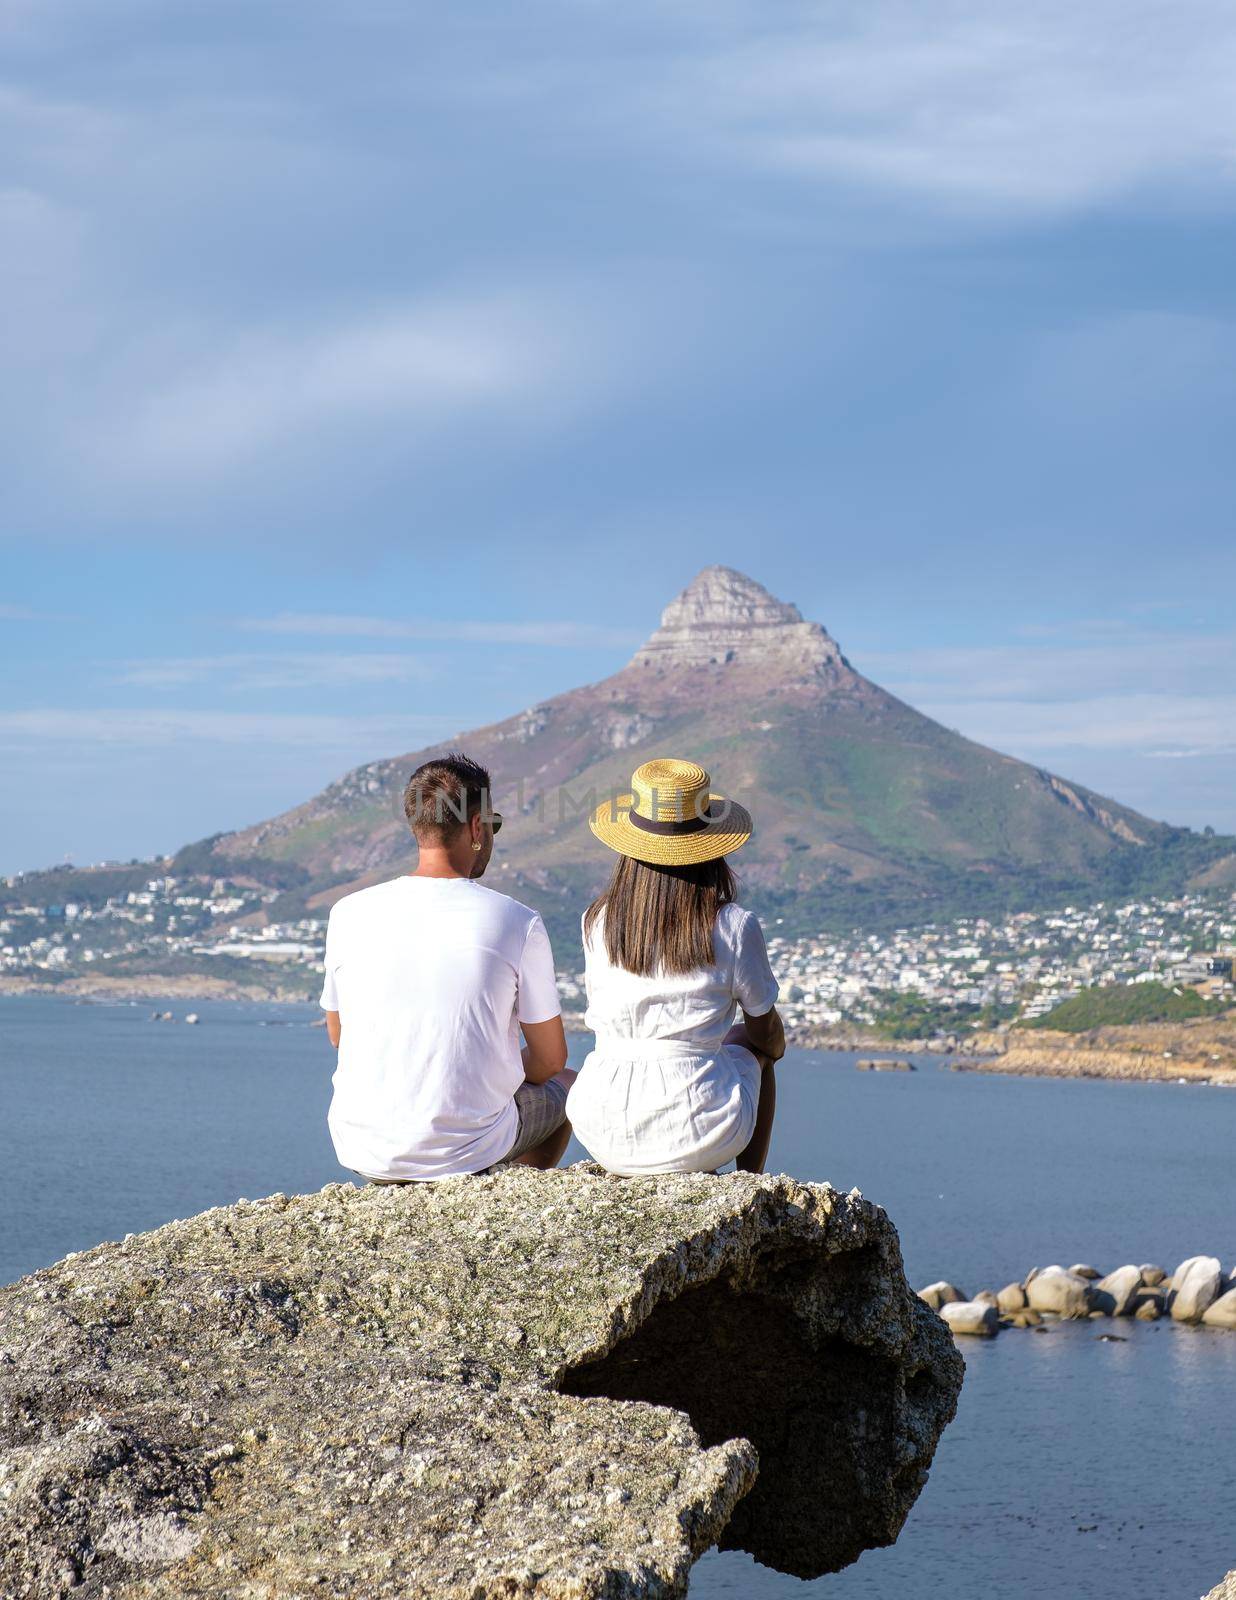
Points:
(155, 988)
(1147, 1053)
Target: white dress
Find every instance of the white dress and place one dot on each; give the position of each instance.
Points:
(661, 1091)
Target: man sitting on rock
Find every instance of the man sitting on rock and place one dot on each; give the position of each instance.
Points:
(429, 979)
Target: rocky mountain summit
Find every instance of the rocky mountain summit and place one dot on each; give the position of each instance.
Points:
(555, 1384)
(723, 617)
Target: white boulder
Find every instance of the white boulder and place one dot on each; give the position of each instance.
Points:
(941, 1294)
(1221, 1313)
(972, 1317)
(1116, 1293)
(1066, 1294)
(1012, 1298)
(1195, 1286)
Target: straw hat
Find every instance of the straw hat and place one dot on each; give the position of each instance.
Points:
(671, 818)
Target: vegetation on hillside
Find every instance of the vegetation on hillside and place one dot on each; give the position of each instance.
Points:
(906, 1014)
(1118, 1004)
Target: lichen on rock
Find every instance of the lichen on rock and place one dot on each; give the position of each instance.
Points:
(550, 1384)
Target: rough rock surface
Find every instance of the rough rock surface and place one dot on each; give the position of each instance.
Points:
(1225, 1589)
(551, 1384)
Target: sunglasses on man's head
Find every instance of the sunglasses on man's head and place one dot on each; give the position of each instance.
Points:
(496, 819)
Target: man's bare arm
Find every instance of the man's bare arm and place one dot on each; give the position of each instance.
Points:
(545, 1053)
(333, 1028)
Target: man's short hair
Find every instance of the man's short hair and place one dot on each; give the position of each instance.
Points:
(442, 794)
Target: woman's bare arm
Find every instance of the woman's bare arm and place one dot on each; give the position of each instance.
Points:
(334, 1028)
(764, 1035)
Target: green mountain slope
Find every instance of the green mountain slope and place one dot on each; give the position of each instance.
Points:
(867, 811)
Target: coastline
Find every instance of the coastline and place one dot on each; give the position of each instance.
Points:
(1202, 1051)
(155, 987)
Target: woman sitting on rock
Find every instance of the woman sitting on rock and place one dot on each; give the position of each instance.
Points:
(673, 1085)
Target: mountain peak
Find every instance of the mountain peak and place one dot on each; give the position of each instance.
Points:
(725, 617)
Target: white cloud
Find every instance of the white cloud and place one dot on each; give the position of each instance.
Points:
(1145, 693)
(1000, 108)
(11, 613)
(1117, 660)
(157, 728)
(280, 671)
(1157, 725)
(331, 625)
(225, 397)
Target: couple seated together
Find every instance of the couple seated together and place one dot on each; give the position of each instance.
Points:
(431, 978)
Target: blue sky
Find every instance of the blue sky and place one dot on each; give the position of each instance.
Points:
(372, 372)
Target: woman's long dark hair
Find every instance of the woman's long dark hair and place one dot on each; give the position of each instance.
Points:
(660, 919)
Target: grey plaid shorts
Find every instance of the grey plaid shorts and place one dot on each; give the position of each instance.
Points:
(542, 1111)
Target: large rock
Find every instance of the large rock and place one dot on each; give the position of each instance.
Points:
(1012, 1298)
(529, 1384)
(1054, 1289)
(1116, 1294)
(1195, 1286)
(1221, 1313)
(941, 1294)
(978, 1317)
(1225, 1589)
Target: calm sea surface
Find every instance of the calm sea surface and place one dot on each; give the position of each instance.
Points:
(1074, 1468)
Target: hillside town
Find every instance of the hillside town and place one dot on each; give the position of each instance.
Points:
(970, 972)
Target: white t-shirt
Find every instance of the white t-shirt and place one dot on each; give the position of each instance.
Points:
(431, 978)
(699, 1007)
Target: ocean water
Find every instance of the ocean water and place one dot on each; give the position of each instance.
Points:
(1075, 1467)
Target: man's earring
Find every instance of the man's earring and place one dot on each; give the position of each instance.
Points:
(475, 845)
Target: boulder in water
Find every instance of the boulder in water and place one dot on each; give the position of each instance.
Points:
(1221, 1313)
(1064, 1293)
(1012, 1298)
(1115, 1294)
(1195, 1286)
(977, 1317)
(941, 1294)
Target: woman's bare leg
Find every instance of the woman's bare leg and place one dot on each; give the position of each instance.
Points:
(752, 1159)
